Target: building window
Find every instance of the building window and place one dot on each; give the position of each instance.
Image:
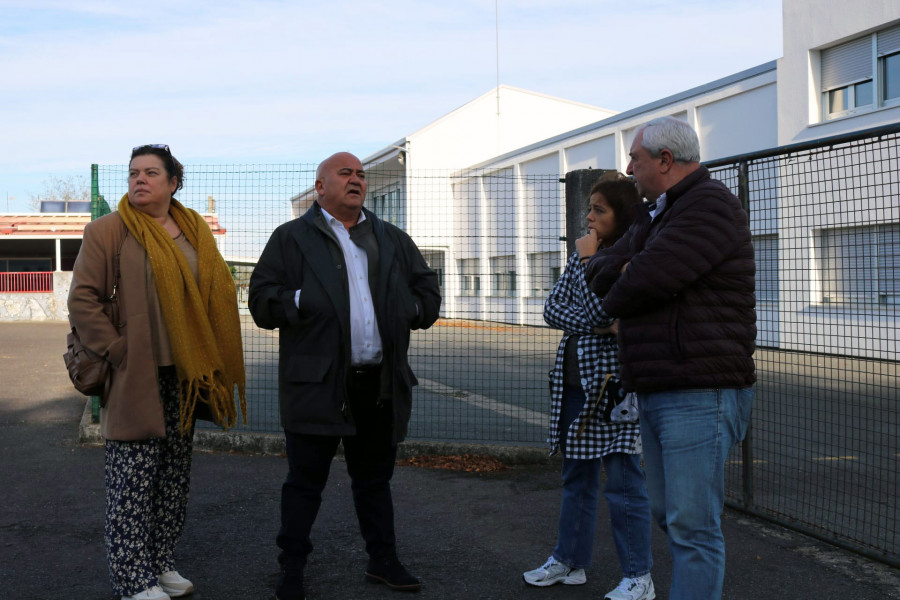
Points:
(765, 248)
(469, 277)
(847, 77)
(435, 261)
(853, 71)
(25, 265)
(503, 275)
(387, 206)
(891, 75)
(861, 265)
(850, 97)
(543, 272)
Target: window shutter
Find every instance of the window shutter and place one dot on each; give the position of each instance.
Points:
(766, 251)
(888, 41)
(832, 266)
(847, 63)
(889, 265)
(860, 259)
(849, 263)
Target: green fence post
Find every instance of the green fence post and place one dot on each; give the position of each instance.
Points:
(99, 207)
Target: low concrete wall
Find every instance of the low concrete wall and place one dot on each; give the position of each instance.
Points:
(269, 443)
(50, 306)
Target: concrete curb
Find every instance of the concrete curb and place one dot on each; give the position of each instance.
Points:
(211, 441)
(88, 433)
(273, 444)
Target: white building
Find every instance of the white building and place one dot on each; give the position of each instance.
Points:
(475, 203)
(840, 73)
(841, 68)
(417, 167)
(733, 115)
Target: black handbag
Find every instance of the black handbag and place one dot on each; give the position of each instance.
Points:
(620, 407)
(90, 372)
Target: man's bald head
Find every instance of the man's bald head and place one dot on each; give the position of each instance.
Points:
(341, 186)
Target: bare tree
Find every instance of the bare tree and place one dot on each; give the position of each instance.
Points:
(73, 188)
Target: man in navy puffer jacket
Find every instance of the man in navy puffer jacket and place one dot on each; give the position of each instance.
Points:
(681, 283)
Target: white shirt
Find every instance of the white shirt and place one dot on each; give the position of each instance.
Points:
(365, 341)
(660, 206)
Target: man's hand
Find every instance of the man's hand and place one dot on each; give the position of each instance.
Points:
(587, 245)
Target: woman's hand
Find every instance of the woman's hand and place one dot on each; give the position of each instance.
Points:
(587, 245)
(610, 330)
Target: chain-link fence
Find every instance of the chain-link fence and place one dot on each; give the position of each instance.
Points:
(824, 447)
(824, 451)
(482, 368)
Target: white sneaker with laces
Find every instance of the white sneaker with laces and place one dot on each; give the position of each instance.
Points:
(552, 572)
(153, 593)
(175, 585)
(633, 588)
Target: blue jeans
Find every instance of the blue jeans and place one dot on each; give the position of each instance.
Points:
(687, 435)
(625, 493)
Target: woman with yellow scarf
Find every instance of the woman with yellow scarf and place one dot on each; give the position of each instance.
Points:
(176, 355)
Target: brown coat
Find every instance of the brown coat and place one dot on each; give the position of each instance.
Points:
(133, 409)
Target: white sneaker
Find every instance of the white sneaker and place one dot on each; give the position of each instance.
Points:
(552, 572)
(153, 593)
(633, 588)
(175, 585)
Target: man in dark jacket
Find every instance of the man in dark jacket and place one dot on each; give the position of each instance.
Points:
(681, 283)
(344, 288)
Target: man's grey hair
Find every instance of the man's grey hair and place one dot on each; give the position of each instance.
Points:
(674, 135)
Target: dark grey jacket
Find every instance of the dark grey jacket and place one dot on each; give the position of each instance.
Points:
(686, 302)
(314, 341)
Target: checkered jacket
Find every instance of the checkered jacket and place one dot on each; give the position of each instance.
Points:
(572, 307)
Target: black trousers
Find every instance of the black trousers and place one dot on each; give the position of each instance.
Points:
(370, 456)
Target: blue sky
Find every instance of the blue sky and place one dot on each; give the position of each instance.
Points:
(271, 81)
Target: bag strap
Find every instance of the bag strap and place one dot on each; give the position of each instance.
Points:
(114, 296)
(113, 299)
(592, 409)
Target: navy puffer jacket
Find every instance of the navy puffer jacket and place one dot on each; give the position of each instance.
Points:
(685, 303)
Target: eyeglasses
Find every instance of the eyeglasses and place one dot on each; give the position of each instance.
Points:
(154, 146)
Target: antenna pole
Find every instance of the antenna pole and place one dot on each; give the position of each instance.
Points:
(497, 51)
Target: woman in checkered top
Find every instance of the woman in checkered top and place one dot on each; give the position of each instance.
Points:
(591, 420)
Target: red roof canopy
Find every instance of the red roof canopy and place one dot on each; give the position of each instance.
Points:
(56, 224)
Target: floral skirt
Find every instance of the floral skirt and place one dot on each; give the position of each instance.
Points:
(147, 485)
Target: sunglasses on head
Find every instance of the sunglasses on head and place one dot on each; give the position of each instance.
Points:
(153, 146)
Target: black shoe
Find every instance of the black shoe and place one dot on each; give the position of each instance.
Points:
(391, 573)
(290, 585)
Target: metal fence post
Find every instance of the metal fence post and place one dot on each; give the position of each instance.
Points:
(99, 207)
(747, 444)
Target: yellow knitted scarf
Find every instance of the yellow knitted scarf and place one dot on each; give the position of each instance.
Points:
(201, 315)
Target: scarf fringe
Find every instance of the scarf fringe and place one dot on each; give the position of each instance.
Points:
(219, 397)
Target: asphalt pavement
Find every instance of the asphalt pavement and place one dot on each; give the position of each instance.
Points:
(465, 535)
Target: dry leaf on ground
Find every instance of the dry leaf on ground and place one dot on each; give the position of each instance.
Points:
(480, 463)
